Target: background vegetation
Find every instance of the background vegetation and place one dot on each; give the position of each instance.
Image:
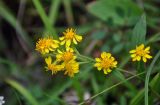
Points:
(114, 26)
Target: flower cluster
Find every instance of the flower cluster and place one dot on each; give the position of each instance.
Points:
(62, 51)
(65, 58)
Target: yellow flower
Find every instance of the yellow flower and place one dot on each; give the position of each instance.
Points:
(140, 53)
(71, 68)
(53, 67)
(69, 37)
(66, 56)
(106, 62)
(44, 45)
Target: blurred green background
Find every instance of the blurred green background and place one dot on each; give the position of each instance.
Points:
(106, 25)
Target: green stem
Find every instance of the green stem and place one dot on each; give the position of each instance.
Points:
(82, 57)
(85, 58)
(105, 90)
(125, 71)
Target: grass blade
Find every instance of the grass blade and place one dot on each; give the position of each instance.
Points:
(54, 11)
(154, 84)
(23, 91)
(148, 76)
(44, 17)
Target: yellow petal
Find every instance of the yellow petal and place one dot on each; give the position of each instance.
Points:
(63, 42)
(141, 46)
(54, 45)
(115, 63)
(59, 57)
(132, 51)
(61, 38)
(109, 55)
(103, 55)
(109, 70)
(98, 59)
(59, 51)
(97, 64)
(68, 43)
(74, 41)
(48, 60)
(138, 58)
(105, 71)
(147, 49)
(133, 55)
(46, 51)
(148, 56)
(144, 59)
(78, 38)
(56, 41)
(99, 68)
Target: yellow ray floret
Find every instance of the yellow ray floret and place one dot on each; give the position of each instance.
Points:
(45, 45)
(53, 67)
(105, 62)
(66, 56)
(140, 53)
(69, 37)
(71, 68)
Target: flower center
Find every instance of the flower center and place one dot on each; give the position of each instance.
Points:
(45, 43)
(70, 35)
(106, 63)
(140, 52)
(67, 56)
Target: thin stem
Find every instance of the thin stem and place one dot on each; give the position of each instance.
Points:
(87, 58)
(82, 57)
(125, 71)
(105, 90)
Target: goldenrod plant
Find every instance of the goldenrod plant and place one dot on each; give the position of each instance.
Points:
(79, 52)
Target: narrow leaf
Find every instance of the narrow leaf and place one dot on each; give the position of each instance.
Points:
(139, 31)
(23, 91)
(44, 17)
(148, 76)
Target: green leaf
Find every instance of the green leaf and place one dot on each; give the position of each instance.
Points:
(118, 11)
(23, 91)
(139, 32)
